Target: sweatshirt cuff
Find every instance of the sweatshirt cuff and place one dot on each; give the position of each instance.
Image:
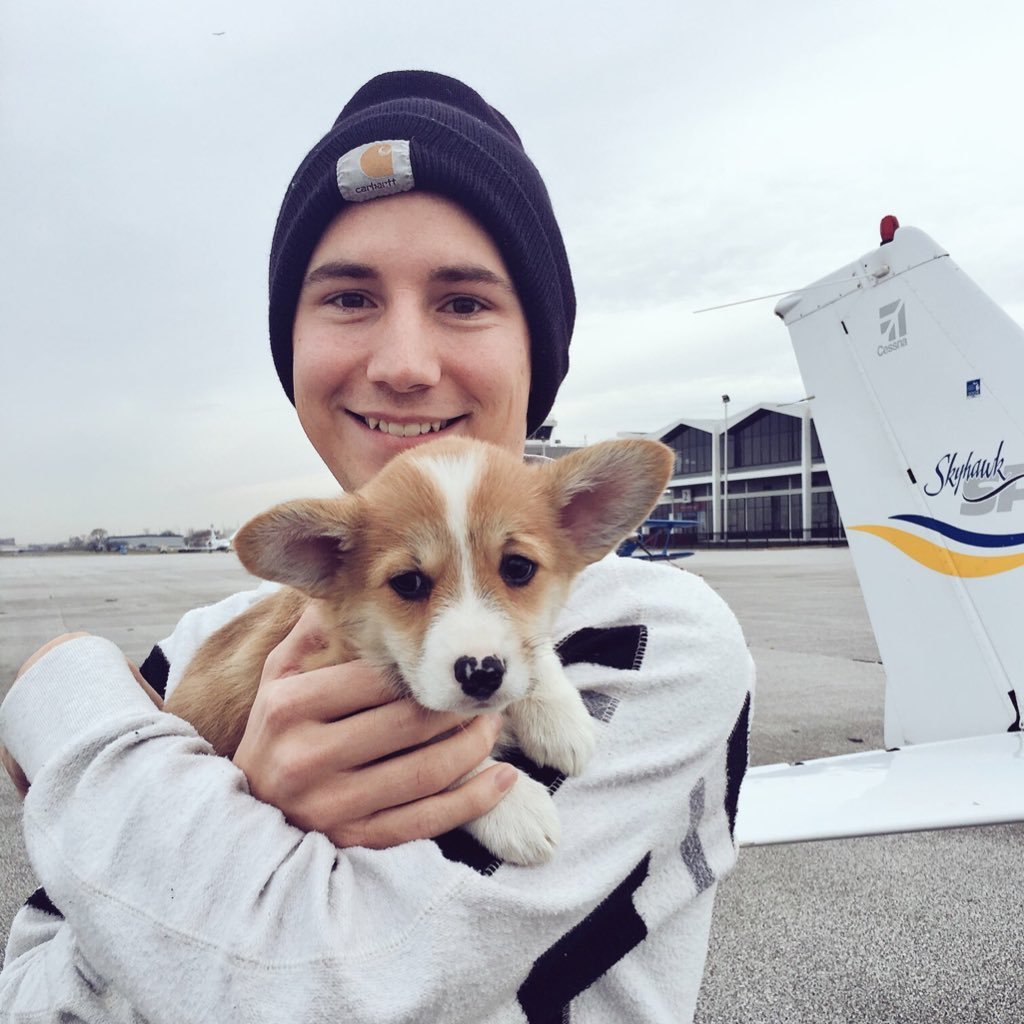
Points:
(73, 688)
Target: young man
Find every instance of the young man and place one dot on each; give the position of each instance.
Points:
(418, 287)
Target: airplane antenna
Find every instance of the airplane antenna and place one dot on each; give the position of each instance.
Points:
(887, 229)
(778, 295)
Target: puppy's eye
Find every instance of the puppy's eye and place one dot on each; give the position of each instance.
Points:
(516, 570)
(411, 586)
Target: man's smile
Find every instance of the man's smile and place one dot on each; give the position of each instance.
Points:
(408, 429)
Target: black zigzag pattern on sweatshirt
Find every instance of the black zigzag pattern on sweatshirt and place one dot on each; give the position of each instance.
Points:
(619, 647)
(736, 760)
(582, 955)
(155, 669)
(40, 901)
(612, 647)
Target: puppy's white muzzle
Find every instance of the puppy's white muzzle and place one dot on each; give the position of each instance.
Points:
(473, 659)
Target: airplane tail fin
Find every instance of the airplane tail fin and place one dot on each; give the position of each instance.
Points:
(918, 380)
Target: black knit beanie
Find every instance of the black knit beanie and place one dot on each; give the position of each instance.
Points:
(416, 129)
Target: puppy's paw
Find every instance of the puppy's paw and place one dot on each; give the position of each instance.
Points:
(557, 733)
(565, 745)
(523, 828)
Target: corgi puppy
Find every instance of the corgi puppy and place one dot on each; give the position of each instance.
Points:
(447, 570)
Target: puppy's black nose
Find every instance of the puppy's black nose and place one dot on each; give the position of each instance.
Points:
(479, 679)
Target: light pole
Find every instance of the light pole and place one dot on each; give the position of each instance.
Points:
(725, 467)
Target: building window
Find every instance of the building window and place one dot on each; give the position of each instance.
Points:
(766, 515)
(692, 450)
(825, 521)
(764, 439)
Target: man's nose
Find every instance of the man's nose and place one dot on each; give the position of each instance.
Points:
(405, 354)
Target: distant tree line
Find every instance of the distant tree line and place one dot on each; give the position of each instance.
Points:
(97, 539)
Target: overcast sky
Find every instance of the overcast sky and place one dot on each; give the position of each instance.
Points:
(696, 154)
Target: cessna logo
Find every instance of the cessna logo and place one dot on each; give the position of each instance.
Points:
(892, 323)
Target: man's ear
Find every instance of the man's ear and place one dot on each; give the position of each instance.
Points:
(603, 492)
(303, 544)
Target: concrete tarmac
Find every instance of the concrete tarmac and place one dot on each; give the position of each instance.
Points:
(916, 928)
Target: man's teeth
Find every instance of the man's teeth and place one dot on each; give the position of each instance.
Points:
(405, 429)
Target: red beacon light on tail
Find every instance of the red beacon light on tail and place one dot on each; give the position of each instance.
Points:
(888, 228)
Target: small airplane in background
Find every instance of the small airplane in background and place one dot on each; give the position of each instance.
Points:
(918, 379)
(652, 535)
(216, 543)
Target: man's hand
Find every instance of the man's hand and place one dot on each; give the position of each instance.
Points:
(320, 747)
(13, 769)
(11, 766)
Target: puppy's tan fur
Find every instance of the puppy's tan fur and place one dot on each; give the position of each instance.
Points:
(455, 512)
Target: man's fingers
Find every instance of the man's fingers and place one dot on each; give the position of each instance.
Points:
(324, 694)
(433, 816)
(402, 725)
(418, 773)
(338, 752)
(363, 720)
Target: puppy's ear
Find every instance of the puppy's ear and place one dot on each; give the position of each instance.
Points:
(301, 543)
(606, 490)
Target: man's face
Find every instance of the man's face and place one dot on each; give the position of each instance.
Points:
(407, 328)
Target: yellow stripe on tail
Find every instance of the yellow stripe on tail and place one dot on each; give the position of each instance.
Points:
(940, 559)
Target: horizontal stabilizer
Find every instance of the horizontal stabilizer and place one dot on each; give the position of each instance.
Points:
(951, 783)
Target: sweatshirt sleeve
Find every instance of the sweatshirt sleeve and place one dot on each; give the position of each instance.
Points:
(195, 902)
(46, 978)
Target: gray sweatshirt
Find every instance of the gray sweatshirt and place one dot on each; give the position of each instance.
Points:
(172, 894)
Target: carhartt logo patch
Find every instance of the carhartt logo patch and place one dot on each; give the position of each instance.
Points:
(376, 161)
(377, 169)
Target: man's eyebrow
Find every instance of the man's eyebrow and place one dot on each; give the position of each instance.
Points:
(335, 270)
(470, 273)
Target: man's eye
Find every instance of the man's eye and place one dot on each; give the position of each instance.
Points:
(351, 300)
(463, 305)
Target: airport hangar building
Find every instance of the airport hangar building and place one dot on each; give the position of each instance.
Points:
(759, 474)
(775, 485)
